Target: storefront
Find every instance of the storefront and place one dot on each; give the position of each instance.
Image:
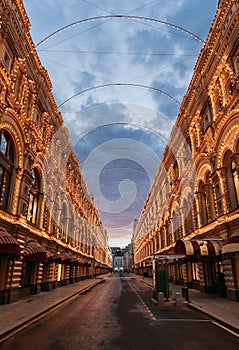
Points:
(230, 255)
(202, 268)
(34, 257)
(9, 262)
(163, 269)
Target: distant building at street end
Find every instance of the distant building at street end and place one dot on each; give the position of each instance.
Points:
(122, 258)
(128, 258)
(117, 259)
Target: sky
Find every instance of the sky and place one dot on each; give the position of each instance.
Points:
(119, 75)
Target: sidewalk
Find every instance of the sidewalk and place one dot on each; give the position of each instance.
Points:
(220, 309)
(18, 315)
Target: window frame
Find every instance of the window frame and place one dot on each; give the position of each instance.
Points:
(34, 198)
(7, 159)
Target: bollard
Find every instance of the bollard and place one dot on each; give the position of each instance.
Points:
(178, 300)
(185, 293)
(186, 296)
(160, 299)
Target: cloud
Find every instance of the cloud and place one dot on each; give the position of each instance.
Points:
(111, 51)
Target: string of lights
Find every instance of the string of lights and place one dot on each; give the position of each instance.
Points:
(120, 84)
(129, 17)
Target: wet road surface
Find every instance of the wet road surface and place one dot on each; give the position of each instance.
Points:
(118, 314)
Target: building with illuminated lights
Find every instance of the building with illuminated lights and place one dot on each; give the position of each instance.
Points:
(192, 210)
(50, 229)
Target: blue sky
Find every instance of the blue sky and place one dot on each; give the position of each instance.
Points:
(119, 130)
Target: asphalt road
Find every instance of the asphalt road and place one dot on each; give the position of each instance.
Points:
(119, 315)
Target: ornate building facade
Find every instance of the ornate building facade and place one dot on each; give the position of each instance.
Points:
(50, 229)
(192, 210)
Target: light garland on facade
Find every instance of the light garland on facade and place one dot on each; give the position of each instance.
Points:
(19, 100)
(213, 73)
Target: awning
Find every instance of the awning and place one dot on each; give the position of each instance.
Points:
(207, 248)
(64, 258)
(169, 257)
(50, 257)
(231, 245)
(8, 244)
(34, 251)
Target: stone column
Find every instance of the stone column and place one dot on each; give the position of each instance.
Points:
(199, 208)
(225, 194)
(207, 190)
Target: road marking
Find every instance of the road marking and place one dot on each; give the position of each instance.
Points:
(193, 320)
(142, 302)
(226, 329)
(179, 319)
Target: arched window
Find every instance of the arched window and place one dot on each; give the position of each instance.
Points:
(34, 198)
(176, 172)
(202, 204)
(189, 215)
(231, 183)
(6, 169)
(207, 202)
(206, 115)
(235, 180)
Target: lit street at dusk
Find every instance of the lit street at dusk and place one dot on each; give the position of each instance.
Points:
(119, 175)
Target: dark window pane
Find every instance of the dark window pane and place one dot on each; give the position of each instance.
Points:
(3, 145)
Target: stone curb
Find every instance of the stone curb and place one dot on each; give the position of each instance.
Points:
(193, 305)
